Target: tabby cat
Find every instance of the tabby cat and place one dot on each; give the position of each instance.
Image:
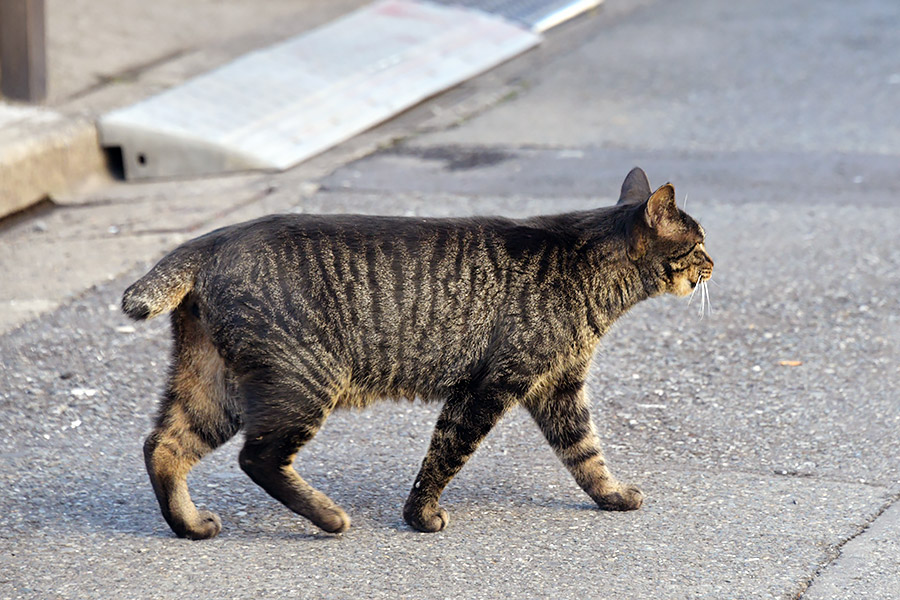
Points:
(279, 321)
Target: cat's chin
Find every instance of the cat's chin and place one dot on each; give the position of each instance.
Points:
(684, 288)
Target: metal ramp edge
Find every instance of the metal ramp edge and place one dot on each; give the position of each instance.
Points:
(536, 15)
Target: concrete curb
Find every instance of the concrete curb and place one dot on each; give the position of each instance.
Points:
(43, 154)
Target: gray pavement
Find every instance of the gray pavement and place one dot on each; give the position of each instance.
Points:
(104, 49)
(762, 480)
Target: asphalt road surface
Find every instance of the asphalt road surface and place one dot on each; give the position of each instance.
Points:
(764, 435)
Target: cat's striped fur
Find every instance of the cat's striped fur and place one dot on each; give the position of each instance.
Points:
(279, 321)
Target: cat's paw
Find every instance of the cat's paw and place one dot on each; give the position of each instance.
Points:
(624, 497)
(208, 525)
(333, 520)
(430, 518)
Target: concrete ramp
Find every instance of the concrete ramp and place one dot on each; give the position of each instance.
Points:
(278, 106)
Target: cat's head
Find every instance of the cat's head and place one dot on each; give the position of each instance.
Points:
(664, 241)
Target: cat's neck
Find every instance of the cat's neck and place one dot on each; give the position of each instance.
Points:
(612, 282)
(610, 292)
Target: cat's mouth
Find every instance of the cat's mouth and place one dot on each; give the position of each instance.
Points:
(703, 276)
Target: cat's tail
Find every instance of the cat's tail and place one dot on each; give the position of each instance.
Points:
(165, 286)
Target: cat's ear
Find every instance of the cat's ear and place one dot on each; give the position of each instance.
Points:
(661, 212)
(635, 188)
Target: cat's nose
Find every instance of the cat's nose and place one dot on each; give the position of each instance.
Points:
(704, 255)
(707, 269)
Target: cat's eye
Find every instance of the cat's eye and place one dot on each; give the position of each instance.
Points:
(684, 255)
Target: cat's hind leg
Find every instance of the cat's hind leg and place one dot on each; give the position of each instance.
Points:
(565, 420)
(199, 412)
(283, 414)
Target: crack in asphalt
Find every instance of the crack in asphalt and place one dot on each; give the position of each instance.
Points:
(834, 552)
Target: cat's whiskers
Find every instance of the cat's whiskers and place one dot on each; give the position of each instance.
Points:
(705, 305)
(702, 297)
(694, 291)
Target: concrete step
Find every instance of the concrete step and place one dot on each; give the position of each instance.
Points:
(42, 153)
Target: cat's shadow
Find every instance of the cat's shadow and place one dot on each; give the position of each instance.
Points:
(128, 507)
(371, 485)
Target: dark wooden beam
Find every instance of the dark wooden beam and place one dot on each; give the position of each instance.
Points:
(23, 58)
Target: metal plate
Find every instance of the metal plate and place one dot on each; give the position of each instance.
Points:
(276, 107)
(537, 15)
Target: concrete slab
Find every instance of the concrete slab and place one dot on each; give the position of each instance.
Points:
(41, 153)
(93, 44)
(868, 566)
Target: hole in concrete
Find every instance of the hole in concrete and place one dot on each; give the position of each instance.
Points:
(115, 162)
(142, 159)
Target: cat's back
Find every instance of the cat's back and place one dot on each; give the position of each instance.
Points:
(271, 236)
(388, 294)
(301, 247)
(349, 278)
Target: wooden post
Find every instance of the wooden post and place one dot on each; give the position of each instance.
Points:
(23, 63)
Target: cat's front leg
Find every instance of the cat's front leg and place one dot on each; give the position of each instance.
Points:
(464, 421)
(565, 420)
